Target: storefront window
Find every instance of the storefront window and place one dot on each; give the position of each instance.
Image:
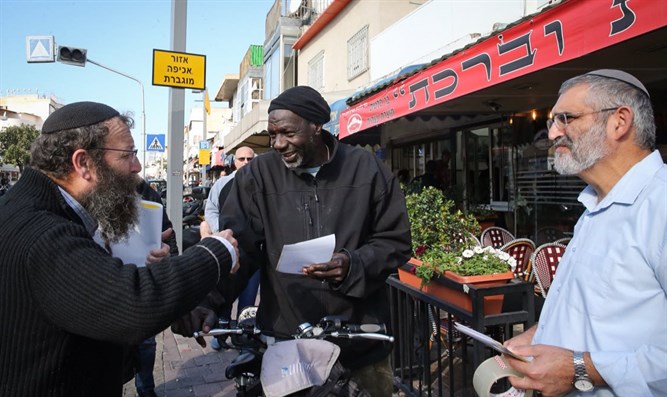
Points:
(502, 166)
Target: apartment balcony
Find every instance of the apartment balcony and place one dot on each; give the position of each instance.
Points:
(250, 131)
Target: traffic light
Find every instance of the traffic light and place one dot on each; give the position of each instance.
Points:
(72, 56)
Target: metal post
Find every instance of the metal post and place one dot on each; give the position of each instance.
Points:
(143, 106)
(175, 126)
(204, 137)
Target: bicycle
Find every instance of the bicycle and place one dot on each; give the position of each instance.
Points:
(304, 365)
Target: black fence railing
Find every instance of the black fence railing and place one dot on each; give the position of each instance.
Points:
(430, 357)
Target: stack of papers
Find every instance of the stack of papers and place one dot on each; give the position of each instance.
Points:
(145, 236)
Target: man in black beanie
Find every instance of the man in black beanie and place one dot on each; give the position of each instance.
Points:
(69, 308)
(311, 186)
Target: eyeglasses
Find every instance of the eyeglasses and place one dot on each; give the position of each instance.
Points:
(244, 158)
(133, 151)
(562, 119)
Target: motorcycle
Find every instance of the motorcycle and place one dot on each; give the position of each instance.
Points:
(3, 189)
(305, 365)
(193, 214)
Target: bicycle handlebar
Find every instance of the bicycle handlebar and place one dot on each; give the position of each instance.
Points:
(364, 335)
(226, 331)
(321, 331)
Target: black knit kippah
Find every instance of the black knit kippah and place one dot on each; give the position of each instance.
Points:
(78, 114)
(304, 101)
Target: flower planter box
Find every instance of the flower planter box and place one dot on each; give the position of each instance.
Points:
(458, 297)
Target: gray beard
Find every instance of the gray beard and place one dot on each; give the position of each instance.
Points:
(584, 152)
(113, 203)
(296, 164)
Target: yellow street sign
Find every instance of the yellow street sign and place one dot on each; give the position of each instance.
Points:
(179, 69)
(204, 156)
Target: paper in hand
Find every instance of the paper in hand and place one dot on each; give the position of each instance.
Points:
(490, 342)
(295, 256)
(145, 236)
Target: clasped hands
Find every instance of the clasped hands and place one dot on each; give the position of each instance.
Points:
(203, 317)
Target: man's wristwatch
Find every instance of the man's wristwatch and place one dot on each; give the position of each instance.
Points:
(581, 380)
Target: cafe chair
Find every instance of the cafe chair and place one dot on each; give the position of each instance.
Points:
(521, 250)
(495, 237)
(545, 262)
(565, 241)
(548, 234)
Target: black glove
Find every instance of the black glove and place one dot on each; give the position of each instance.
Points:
(201, 318)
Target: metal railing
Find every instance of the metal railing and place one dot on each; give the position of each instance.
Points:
(430, 358)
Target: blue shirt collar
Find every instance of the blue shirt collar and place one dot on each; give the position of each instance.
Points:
(627, 189)
(88, 222)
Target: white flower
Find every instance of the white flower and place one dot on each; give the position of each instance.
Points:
(489, 249)
(468, 253)
(485, 257)
(478, 250)
(512, 263)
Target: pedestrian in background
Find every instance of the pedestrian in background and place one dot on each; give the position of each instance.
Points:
(144, 354)
(216, 199)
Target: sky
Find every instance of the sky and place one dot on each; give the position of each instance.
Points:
(121, 34)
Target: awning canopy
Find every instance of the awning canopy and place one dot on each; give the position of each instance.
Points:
(522, 66)
(340, 105)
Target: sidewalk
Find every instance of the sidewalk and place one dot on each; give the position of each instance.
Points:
(183, 368)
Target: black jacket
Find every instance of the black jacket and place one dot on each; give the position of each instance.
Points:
(353, 196)
(68, 307)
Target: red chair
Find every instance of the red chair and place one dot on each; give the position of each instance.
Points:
(521, 250)
(495, 237)
(545, 262)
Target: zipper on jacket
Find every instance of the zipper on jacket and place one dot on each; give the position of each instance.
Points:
(310, 217)
(317, 199)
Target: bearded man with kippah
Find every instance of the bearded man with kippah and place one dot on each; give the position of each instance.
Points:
(69, 308)
(311, 186)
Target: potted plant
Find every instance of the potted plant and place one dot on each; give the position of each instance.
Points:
(436, 225)
(485, 216)
(464, 266)
(442, 247)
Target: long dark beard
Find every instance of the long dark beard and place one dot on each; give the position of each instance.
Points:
(113, 202)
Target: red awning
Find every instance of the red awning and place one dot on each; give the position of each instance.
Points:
(218, 158)
(562, 33)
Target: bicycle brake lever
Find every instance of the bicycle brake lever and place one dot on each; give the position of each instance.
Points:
(366, 335)
(218, 332)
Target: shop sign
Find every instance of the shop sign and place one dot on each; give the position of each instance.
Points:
(565, 32)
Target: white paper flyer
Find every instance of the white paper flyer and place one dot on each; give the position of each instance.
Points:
(295, 256)
(145, 236)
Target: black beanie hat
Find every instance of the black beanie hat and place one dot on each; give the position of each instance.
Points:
(304, 101)
(76, 115)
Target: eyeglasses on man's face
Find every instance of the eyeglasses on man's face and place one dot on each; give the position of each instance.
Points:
(561, 120)
(244, 158)
(129, 154)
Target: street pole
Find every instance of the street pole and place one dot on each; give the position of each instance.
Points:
(175, 126)
(205, 135)
(143, 106)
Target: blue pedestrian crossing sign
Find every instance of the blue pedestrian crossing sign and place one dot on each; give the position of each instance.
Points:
(155, 143)
(40, 49)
